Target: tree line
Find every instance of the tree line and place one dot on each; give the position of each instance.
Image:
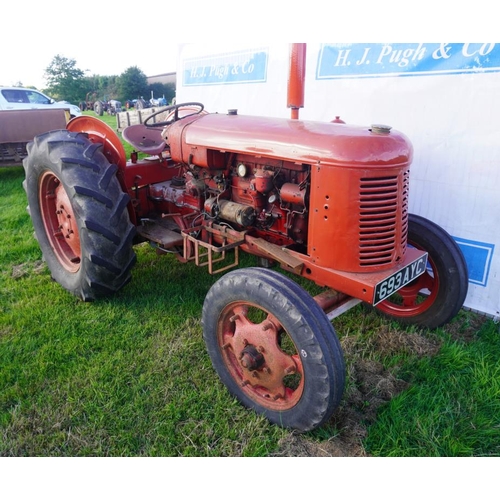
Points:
(65, 81)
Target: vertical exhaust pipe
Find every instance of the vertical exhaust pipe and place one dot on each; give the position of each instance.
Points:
(296, 78)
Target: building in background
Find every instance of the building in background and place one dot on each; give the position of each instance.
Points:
(164, 78)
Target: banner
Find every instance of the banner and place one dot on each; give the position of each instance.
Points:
(443, 96)
(382, 59)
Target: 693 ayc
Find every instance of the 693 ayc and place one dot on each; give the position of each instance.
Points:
(399, 279)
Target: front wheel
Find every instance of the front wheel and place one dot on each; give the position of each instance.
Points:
(436, 296)
(274, 348)
(79, 213)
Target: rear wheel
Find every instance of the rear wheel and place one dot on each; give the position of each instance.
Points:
(274, 348)
(140, 104)
(436, 296)
(98, 108)
(79, 213)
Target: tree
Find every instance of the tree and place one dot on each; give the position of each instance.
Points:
(132, 83)
(65, 81)
(104, 87)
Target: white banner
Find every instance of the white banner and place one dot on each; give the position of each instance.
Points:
(444, 97)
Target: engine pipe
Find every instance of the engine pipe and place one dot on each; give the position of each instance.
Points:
(296, 78)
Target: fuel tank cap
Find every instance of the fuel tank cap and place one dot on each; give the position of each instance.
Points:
(380, 129)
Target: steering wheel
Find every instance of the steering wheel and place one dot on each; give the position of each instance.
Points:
(175, 108)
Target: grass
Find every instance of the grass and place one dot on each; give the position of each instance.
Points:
(452, 407)
(129, 375)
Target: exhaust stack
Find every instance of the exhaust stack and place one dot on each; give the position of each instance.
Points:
(296, 78)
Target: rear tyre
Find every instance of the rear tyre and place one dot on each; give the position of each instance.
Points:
(274, 348)
(98, 108)
(79, 213)
(140, 104)
(435, 297)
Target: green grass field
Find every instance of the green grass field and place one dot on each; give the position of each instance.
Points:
(129, 375)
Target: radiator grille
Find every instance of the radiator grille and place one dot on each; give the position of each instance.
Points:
(383, 213)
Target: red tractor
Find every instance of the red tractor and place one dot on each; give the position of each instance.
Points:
(325, 201)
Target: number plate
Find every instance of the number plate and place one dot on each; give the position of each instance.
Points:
(399, 279)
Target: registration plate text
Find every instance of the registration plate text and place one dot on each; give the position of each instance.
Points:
(399, 279)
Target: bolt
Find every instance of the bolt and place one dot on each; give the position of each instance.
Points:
(232, 319)
(261, 349)
(290, 369)
(244, 383)
(266, 326)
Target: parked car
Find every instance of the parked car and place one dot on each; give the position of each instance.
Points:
(21, 98)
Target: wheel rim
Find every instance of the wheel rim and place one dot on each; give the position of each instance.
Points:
(260, 356)
(417, 297)
(59, 222)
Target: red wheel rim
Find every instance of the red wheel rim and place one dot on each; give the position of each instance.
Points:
(260, 356)
(416, 297)
(59, 222)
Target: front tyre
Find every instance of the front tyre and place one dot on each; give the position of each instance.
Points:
(79, 213)
(436, 296)
(274, 348)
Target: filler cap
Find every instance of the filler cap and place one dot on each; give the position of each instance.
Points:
(380, 129)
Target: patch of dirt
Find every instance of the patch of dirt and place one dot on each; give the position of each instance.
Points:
(369, 385)
(391, 342)
(22, 270)
(464, 327)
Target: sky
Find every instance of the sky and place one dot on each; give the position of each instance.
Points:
(107, 37)
(101, 40)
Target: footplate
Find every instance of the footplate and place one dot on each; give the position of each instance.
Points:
(211, 243)
(157, 232)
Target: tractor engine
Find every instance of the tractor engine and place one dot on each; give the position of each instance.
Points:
(335, 194)
(267, 197)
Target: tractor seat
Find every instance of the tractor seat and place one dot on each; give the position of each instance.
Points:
(145, 139)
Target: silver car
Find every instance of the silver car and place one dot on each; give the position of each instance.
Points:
(21, 98)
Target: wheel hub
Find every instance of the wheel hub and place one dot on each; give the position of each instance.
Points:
(254, 356)
(59, 222)
(251, 358)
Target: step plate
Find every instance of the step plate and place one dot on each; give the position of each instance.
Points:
(161, 235)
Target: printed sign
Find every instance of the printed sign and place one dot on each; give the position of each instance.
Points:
(228, 68)
(405, 59)
(478, 256)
